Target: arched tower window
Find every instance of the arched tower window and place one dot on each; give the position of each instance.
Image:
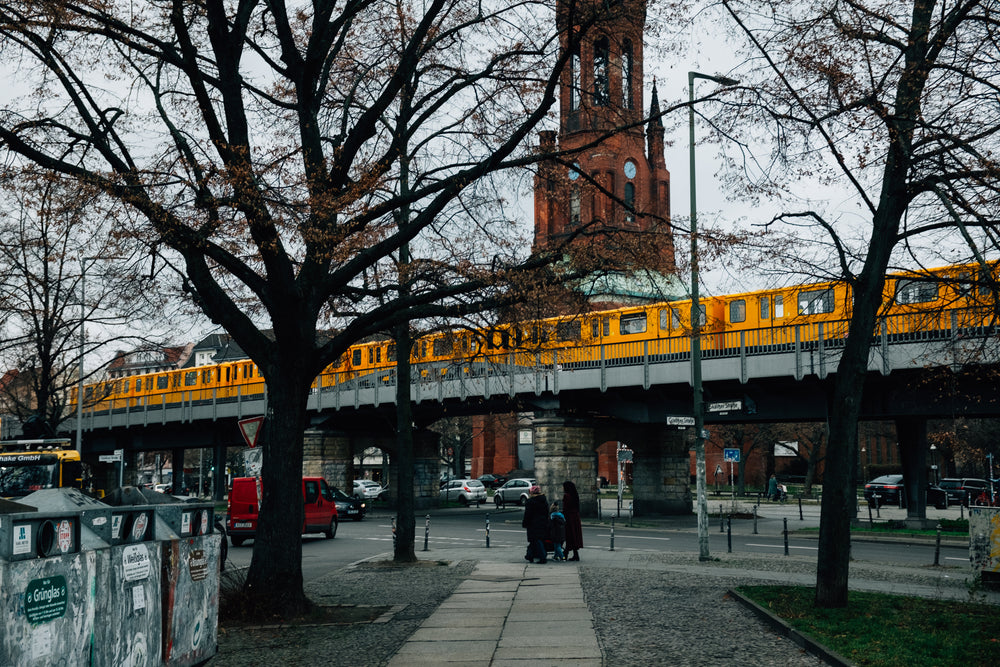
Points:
(629, 202)
(602, 85)
(574, 79)
(574, 206)
(627, 101)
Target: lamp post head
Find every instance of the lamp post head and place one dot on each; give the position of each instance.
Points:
(718, 78)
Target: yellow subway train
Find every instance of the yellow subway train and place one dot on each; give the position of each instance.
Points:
(916, 303)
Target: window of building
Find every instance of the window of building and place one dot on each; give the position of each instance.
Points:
(816, 302)
(602, 85)
(630, 202)
(574, 79)
(738, 310)
(916, 291)
(574, 206)
(627, 101)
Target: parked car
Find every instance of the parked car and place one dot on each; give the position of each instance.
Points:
(320, 510)
(348, 507)
(964, 489)
(890, 491)
(513, 491)
(465, 491)
(366, 488)
(491, 481)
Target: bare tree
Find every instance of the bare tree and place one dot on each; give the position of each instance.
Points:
(46, 304)
(263, 143)
(897, 103)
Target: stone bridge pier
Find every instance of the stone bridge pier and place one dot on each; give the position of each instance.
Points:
(566, 449)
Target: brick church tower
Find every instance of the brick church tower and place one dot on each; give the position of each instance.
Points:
(615, 176)
(612, 177)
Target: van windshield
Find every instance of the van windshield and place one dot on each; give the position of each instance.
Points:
(19, 477)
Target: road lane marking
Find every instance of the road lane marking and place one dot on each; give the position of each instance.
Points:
(637, 537)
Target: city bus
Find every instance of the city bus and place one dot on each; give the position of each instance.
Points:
(30, 465)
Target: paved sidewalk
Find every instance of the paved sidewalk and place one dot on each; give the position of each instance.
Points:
(507, 614)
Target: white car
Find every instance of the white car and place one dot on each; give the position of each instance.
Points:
(366, 488)
(465, 491)
(514, 491)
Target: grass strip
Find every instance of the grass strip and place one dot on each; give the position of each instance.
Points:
(885, 630)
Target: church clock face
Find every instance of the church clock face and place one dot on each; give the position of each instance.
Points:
(629, 169)
(574, 171)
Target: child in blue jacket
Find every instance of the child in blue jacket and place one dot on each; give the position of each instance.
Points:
(557, 520)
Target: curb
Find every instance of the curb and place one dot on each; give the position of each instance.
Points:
(781, 627)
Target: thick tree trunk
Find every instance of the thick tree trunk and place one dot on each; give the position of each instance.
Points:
(274, 580)
(911, 434)
(405, 512)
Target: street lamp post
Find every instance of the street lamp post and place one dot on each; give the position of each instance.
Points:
(698, 406)
(934, 467)
(84, 262)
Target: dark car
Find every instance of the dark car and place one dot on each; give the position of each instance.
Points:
(964, 489)
(491, 481)
(348, 506)
(889, 491)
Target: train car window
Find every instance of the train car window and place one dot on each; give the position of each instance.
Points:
(569, 330)
(378, 353)
(985, 283)
(390, 353)
(149, 384)
(161, 381)
(442, 346)
(206, 376)
(702, 315)
(632, 324)
(356, 357)
(664, 318)
(229, 374)
(606, 326)
(371, 356)
(190, 378)
(916, 291)
(779, 306)
(964, 286)
(675, 321)
(738, 310)
(765, 308)
(176, 380)
(816, 302)
(595, 328)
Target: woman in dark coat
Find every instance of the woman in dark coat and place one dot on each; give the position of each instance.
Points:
(536, 522)
(574, 529)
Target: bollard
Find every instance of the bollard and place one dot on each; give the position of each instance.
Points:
(786, 534)
(729, 532)
(755, 519)
(612, 533)
(427, 531)
(800, 509)
(394, 534)
(937, 547)
(722, 520)
(487, 530)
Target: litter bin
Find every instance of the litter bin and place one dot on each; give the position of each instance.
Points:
(46, 584)
(984, 534)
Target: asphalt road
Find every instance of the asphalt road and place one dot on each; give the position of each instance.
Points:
(372, 537)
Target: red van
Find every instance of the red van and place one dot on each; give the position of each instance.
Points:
(244, 504)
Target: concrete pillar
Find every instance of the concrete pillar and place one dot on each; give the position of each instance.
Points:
(565, 450)
(426, 468)
(327, 454)
(661, 482)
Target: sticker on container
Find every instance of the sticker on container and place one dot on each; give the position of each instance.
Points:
(204, 522)
(22, 539)
(41, 642)
(138, 598)
(135, 562)
(185, 523)
(198, 564)
(65, 535)
(139, 527)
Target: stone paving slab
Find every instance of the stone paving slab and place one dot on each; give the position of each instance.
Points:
(542, 620)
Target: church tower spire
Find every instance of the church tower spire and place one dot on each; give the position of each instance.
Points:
(600, 124)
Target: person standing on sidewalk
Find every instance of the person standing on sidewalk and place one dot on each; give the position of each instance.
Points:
(536, 522)
(557, 520)
(574, 529)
